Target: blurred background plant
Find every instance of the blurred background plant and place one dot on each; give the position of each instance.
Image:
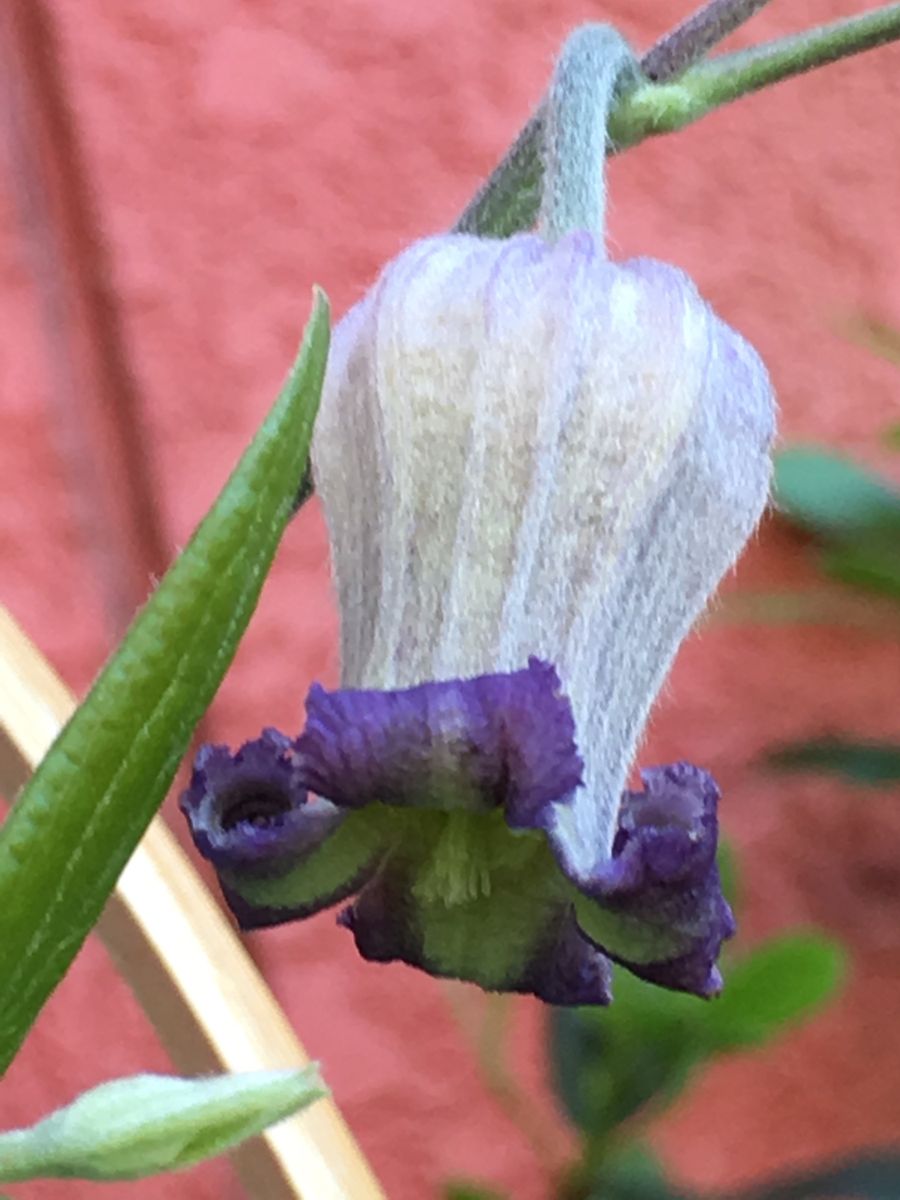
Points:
(849, 519)
(614, 1070)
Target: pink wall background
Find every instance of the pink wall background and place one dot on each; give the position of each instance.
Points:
(240, 150)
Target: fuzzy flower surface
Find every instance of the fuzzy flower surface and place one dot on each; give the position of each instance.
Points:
(535, 465)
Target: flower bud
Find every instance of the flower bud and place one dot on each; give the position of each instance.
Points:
(130, 1128)
(526, 449)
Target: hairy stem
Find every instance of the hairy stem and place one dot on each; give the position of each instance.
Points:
(664, 108)
(510, 199)
(693, 39)
(595, 62)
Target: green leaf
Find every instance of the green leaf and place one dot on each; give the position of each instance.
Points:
(891, 437)
(833, 498)
(609, 1064)
(876, 764)
(872, 1176)
(870, 562)
(778, 984)
(464, 1190)
(80, 817)
(147, 1124)
(634, 1173)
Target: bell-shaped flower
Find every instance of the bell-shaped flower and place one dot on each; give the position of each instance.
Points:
(535, 465)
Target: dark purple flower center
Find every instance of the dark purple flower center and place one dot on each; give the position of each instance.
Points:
(254, 802)
(668, 809)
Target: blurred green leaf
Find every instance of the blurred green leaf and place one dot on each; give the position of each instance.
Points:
(83, 812)
(833, 498)
(871, 562)
(776, 985)
(828, 605)
(892, 437)
(462, 1190)
(876, 764)
(609, 1064)
(872, 1176)
(634, 1173)
(875, 335)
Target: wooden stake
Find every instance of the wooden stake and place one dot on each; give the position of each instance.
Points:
(185, 964)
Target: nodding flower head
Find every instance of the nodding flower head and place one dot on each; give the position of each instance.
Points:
(535, 465)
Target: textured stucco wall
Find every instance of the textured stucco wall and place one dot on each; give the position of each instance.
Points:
(243, 149)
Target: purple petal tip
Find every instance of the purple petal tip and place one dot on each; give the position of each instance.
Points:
(663, 880)
(474, 744)
(249, 810)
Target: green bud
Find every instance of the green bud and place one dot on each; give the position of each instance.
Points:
(146, 1124)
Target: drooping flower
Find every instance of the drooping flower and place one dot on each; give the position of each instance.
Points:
(535, 466)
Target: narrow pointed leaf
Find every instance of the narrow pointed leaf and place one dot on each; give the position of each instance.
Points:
(833, 498)
(876, 764)
(76, 823)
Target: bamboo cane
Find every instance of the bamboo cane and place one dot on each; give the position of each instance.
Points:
(186, 966)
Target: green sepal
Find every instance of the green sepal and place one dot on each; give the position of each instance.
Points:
(326, 875)
(634, 939)
(482, 898)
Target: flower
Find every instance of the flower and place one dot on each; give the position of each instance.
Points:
(535, 466)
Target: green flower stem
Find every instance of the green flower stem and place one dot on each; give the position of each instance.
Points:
(594, 64)
(695, 37)
(511, 197)
(664, 108)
